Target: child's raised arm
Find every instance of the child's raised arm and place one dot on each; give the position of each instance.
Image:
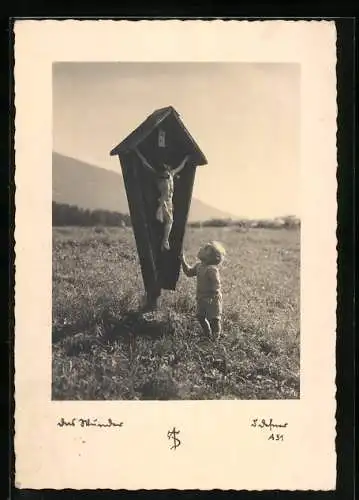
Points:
(188, 270)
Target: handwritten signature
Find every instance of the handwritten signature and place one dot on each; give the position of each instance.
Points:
(264, 424)
(87, 422)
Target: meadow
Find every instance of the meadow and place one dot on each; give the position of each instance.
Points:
(103, 349)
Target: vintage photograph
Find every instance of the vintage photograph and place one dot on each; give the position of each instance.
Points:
(176, 231)
(176, 255)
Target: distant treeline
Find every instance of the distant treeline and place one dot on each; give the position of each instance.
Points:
(287, 222)
(70, 215)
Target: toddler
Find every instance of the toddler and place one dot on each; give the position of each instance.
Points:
(209, 294)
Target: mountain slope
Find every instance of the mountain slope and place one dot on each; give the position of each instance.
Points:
(77, 183)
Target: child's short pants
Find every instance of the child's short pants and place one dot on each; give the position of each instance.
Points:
(209, 307)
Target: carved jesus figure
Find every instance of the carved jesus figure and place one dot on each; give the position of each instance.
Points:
(165, 184)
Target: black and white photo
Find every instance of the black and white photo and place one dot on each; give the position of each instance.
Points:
(207, 165)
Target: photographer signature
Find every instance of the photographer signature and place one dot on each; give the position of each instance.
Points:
(264, 424)
(276, 430)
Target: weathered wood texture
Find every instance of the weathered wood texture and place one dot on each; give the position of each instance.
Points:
(160, 269)
(140, 221)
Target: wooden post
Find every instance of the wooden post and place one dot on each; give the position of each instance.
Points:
(140, 229)
(162, 138)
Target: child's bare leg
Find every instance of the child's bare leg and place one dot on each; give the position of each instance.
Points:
(216, 327)
(206, 327)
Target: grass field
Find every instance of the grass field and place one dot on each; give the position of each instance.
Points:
(103, 349)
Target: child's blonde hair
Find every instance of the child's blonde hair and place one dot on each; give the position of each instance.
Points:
(214, 251)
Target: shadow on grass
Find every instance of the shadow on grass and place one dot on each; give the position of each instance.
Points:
(136, 323)
(82, 335)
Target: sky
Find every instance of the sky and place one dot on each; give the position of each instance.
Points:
(245, 117)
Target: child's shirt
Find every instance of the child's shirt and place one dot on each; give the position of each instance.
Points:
(208, 279)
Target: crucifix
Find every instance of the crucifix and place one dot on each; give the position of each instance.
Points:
(165, 184)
